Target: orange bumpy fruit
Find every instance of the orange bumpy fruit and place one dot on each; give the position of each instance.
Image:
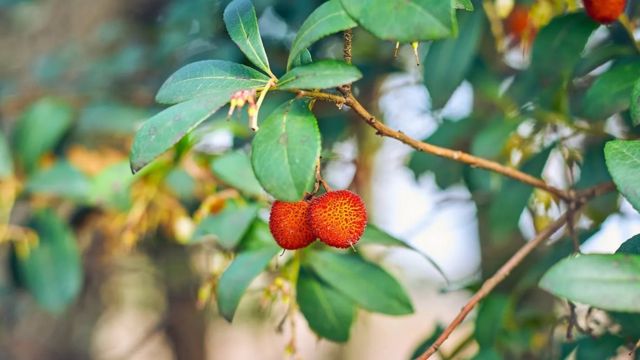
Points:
(289, 224)
(338, 218)
(604, 11)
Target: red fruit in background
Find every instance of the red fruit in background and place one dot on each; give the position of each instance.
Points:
(338, 218)
(604, 11)
(289, 224)
(519, 24)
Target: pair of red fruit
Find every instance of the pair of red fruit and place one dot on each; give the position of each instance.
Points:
(337, 218)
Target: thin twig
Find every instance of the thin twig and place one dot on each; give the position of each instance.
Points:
(456, 155)
(493, 281)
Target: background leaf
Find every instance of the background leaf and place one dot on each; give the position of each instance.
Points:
(328, 312)
(40, 128)
(623, 162)
(442, 76)
(319, 75)
(609, 282)
(234, 168)
(236, 278)
(228, 227)
(165, 129)
(404, 20)
(609, 94)
(327, 19)
(209, 77)
(635, 103)
(61, 179)
(242, 25)
(6, 162)
(379, 293)
(52, 271)
(285, 151)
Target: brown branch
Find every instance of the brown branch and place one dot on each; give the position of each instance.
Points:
(494, 280)
(346, 54)
(455, 155)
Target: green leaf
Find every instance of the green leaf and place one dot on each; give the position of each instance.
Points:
(565, 37)
(234, 169)
(593, 172)
(609, 282)
(631, 246)
(623, 162)
(319, 75)
(635, 103)
(165, 129)
(611, 92)
(6, 163)
(603, 347)
(242, 25)
(110, 187)
(327, 19)
(257, 237)
(61, 179)
(303, 59)
(491, 320)
(366, 283)
(404, 20)
(52, 271)
(506, 208)
(228, 227)
(442, 76)
(427, 342)
(464, 5)
(328, 312)
(209, 77)
(236, 278)
(40, 128)
(285, 151)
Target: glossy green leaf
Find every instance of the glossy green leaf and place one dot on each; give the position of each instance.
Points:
(319, 75)
(209, 77)
(40, 128)
(634, 103)
(380, 292)
(464, 5)
(228, 227)
(513, 197)
(165, 129)
(609, 282)
(329, 18)
(404, 20)
(236, 278)
(565, 37)
(623, 162)
(6, 162)
(328, 312)
(242, 25)
(303, 58)
(52, 271)
(442, 76)
(285, 151)
(257, 237)
(611, 92)
(234, 169)
(61, 179)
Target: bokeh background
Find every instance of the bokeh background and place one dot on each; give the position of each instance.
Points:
(82, 76)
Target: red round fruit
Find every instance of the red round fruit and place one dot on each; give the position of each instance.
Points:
(289, 224)
(519, 24)
(604, 11)
(338, 218)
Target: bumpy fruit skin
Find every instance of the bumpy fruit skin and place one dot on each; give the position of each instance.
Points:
(604, 11)
(289, 224)
(338, 218)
